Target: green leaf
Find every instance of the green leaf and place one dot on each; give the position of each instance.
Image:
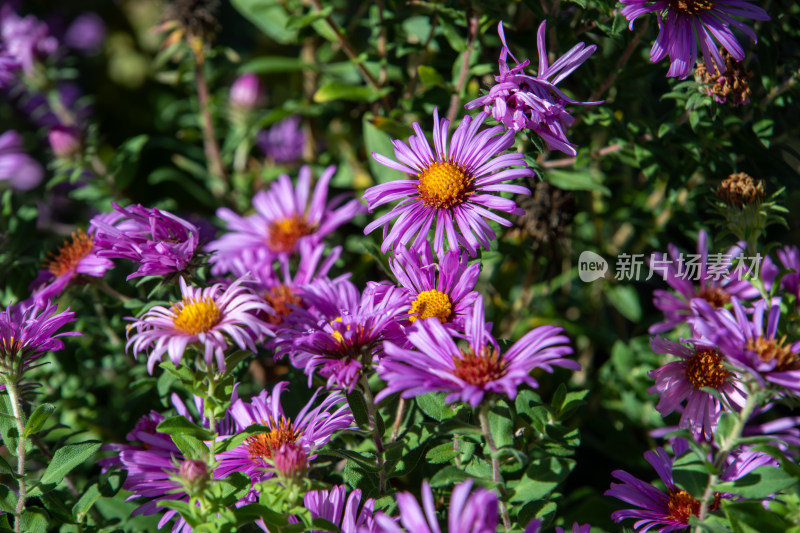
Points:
(585, 179)
(86, 501)
(541, 478)
(8, 500)
(501, 426)
(180, 425)
(725, 427)
(37, 419)
(336, 90)
(430, 76)
(190, 447)
(54, 503)
(126, 160)
(449, 475)
(625, 299)
(8, 424)
(34, 521)
(358, 406)
(297, 23)
(751, 517)
(270, 16)
(363, 461)
(273, 64)
(64, 460)
(377, 141)
(433, 405)
(690, 474)
(442, 453)
(760, 483)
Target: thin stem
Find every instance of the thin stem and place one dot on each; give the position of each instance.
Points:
(107, 329)
(377, 438)
(209, 408)
(455, 100)
(483, 416)
(103, 285)
(16, 407)
(210, 144)
(398, 419)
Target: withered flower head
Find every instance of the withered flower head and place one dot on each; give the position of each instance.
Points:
(740, 190)
(548, 213)
(196, 17)
(731, 86)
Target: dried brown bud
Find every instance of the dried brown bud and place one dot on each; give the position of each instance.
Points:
(740, 190)
(196, 17)
(731, 86)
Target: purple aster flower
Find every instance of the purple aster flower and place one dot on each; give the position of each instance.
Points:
(343, 332)
(789, 259)
(284, 216)
(207, 319)
(447, 186)
(17, 168)
(341, 510)
(521, 101)
(26, 333)
(309, 430)
(438, 365)
(160, 242)
(469, 512)
(576, 528)
(666, 512)
(9, 67)
(284, 142)
(75, 257)
(247, 92)
(443, 290)
(750, 343)
(717, 284)
(700, 366)
(684, 23)
(27, 39)
(86, 33)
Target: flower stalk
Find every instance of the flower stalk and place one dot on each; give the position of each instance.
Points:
(497, 477)
(16, 406)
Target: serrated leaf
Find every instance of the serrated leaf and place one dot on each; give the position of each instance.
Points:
(37, 419)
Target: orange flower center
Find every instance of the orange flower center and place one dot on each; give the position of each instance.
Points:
(280, 298)
(775, 350)
(479, 369)
(704, 369)
(194, 317)
(264, 445)
(431, 303)
(444, 184)
(70, 254)
(715, 296)
(682, 505)
(284, 233)
(691, 7)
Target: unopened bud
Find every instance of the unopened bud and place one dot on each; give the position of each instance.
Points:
(247, 92)
(64, 141)
(194, 476)
(740, 190)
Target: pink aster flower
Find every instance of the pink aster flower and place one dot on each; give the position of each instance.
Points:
(345, 512)
(284, 216)
(17, 168)
(700, 366)
(684, 23)
(700, 276)
(26, 333)
(438, 365)
(448, 186)
(521, 101)
(209, 319)
(309, 430)
(160, 242)
(344, 332)
(470, 511)
(75, 257)
(656, 510)
(444, 290)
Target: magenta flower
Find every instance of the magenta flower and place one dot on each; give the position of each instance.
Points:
(284, 142)
(9, 67)
(447, 186)
(700, 366)
(311, 429)
(789, 260)
(17, 168)
(521, 101)
(344, 332)
(682, 24)
(750, 342)
(284, 216)
(160, 242)
(26, 333)
(444, 290)
(247, 92)
(27, 39)
(208, 319)
(86, 33)
(717, 284)
(469, 512)
(341, 510)
(75, 257)
(438, 365)
(656, 510)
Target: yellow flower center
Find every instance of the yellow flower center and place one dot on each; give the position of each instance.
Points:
(431, 303)
(263, 445)
(336, 335)
(704, 369)
(70, 253)
(444, 184)
(682, 505)
(284, 233)
(775, 350)
(194, 317)
(479, 369)
(691, 7)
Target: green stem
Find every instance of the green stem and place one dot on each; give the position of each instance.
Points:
(483, 416)
(377, 438)
(16, 407)
(209, 411)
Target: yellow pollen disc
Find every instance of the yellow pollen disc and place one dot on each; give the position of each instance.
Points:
(444, 184)
(336, 335)
(194, 317)
(431, 303)
(775, 350)
(70, 253)
(691, 7)
(284, 233)
(682, 505)
(479, 369)
(263, 445)
(704, 369)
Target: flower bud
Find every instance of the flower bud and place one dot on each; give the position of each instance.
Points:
(193, 475)
(64, 141)
(247, 92)
(290, 461)
(740, 190)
